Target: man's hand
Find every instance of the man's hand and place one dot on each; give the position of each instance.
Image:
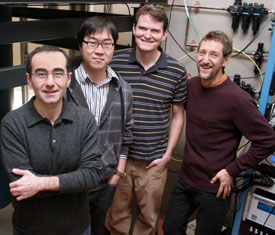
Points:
(160, 162)
(27, 186)
(226, 183)
(114, 179)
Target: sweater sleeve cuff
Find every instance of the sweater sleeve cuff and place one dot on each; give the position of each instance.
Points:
(62, 183)
(124, 150)
(232, 169)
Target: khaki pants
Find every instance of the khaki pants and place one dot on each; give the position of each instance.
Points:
(144, 185)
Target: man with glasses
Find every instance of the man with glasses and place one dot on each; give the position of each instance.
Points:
(49, 152)
(97, 87)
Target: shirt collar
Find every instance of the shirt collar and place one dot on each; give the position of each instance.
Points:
(217, 83)
(161, 62)
(112, 74)
(84, 76)
(33, 117)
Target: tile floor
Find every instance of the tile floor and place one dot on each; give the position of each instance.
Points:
(6, 226)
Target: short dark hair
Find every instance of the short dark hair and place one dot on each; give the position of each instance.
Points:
(156, 13)
(96, 24)
(219, 36)
(46, 49)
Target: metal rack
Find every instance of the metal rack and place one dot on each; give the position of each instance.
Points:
(265, 98)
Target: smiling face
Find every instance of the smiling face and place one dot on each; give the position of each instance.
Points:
(97, 58)
(148, 33)
(210, 61)
(50, 91)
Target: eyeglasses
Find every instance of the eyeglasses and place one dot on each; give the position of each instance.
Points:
(95, 44)
(43, 76)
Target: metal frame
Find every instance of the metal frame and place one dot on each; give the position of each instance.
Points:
(60, 31)
(53, 27)
(15, 76)
(264, 100)
(30, 31)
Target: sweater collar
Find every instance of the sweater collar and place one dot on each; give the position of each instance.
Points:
(33, 117)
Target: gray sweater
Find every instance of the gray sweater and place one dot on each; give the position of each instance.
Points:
(68, 149)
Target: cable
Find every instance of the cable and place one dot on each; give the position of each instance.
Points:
(129, 10)
(178, 155)
(253, 39)
(236, 208)
(268, 162)
(260, 72)
(169, 20)
(176, 160)
(239, 51)
(270, 213)
(201, 35)
(247, 142)
(248, 77)
(191, 20)
(191, 53)
(242, 148)
(271, 117)
(181, 47)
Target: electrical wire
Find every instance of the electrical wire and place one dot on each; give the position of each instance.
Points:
(178, 155)
(186, 53)
(247, 142)
(271, 117)
(191, 53)
(240, 150)
(176, 160)
(270, 213)
(260, 71)
(169, 20)
(268, 162)
(253, 39)
(236, 208)
(191, 20)
(181, 47)
(239, 51)
(129, 10)
(248, 77)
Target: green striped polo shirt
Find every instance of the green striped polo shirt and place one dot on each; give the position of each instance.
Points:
(154, 91)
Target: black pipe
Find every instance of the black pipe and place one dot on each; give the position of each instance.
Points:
(6, 97)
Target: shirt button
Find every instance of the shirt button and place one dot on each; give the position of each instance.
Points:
(54, 141)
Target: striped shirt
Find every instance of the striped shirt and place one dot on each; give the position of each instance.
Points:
(95, 94)
(154, 91)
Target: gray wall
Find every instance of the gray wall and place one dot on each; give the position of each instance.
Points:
(207, 20)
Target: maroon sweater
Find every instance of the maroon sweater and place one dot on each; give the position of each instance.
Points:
(216, 119)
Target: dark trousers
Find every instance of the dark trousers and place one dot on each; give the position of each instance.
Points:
(100, 202)
(86, 232)
(184, 200)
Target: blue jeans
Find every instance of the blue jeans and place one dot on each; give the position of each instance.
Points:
(100, 202)
(87, 231)
(184, 200)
